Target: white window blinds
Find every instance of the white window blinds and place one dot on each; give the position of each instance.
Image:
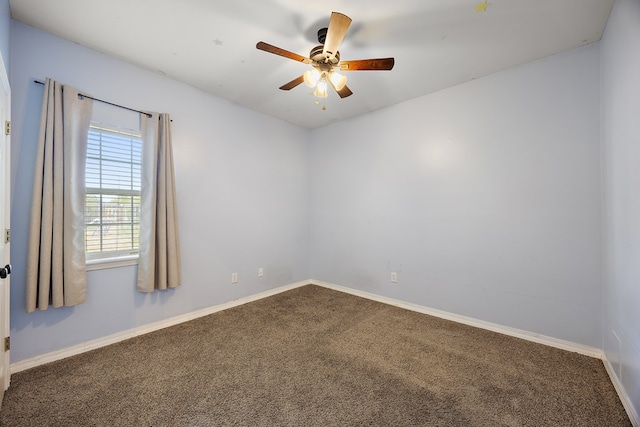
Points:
(112, 207)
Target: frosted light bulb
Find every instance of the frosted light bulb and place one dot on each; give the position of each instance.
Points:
(311, 77)
(338, 80)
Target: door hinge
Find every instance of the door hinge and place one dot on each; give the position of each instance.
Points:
(7, 235)
(7, 343)
(7, 127)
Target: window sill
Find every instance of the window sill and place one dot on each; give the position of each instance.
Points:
(123, 261)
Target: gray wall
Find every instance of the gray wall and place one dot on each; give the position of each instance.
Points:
(242, 183)
(5, 25)
(621, 171)
(484, 198)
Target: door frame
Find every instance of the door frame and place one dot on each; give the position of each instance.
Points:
(5, 356)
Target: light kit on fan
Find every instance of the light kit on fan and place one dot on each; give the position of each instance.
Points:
(311, 77)
(319, 79)
(337, 80)
(321, 88)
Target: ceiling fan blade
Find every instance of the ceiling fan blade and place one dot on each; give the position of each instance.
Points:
(367, 64)
(344, 92)
(278, 51)
(338, 26)
(293, 83)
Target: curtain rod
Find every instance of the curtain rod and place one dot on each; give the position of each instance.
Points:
(106, 102)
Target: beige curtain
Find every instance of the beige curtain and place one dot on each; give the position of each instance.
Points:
(159, 262)
(55, 260)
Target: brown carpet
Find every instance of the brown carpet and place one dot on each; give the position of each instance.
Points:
(317, 357)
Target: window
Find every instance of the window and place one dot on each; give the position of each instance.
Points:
(112, 207)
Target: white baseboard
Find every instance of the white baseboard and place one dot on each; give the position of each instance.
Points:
(121, 336)
(518, 333)
(624, 397)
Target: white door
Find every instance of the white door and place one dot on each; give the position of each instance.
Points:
(5, 199)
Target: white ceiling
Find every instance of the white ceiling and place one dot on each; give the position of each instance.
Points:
(210, 44)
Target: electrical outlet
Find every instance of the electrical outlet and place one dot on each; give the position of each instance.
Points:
(234, 277)
(394, 277)
(260, 272)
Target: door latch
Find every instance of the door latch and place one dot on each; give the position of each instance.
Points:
(5, 271)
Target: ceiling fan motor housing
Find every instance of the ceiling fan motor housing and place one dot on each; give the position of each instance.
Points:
(319, 59)
(322, 35)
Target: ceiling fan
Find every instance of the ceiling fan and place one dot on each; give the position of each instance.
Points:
(325, 60)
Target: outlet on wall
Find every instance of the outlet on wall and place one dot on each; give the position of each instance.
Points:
(234, 277)
(394, 277)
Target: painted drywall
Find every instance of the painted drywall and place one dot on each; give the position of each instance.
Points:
(242, 184)
(5, 25)
(621, 171)
(484, 198)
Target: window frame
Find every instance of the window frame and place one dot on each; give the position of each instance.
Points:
(121, 258)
